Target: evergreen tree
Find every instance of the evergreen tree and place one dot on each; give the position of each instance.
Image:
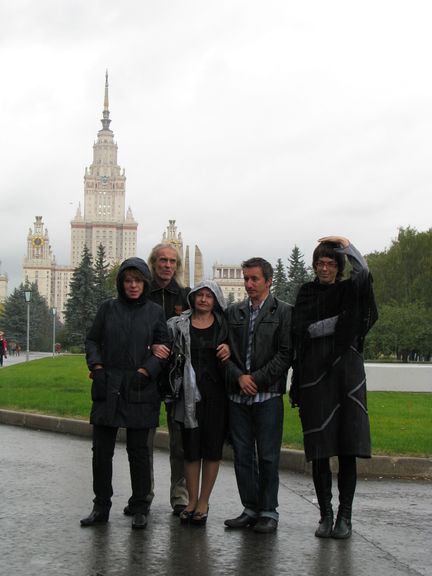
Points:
(298, 274)
(280, 281)
(111, 280)
(81, 305)
(102, 290)
(14, 319)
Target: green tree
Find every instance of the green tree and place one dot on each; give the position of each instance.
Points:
(111, 280)
(403, 273)
(81, 305)
(101, 269)
(280, 282)
(298, 274)
(403, 332)
(14, 319)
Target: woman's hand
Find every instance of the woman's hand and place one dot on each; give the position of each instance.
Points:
(223, 352)
(344, 242)
(160, 351)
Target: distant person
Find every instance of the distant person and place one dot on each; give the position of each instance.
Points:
(261, 353)
(124, 390)
(330, 321)
(199, 338)
(167, 290)
(3, 348)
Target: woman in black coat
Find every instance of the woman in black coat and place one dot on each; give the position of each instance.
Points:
(124, 389)
(330, 321)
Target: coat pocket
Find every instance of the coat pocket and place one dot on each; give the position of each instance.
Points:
(99, 385)
(141, 389)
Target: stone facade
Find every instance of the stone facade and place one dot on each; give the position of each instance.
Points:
(230, 279)
(40, 267)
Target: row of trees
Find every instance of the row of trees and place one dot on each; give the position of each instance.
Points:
(13, 320)
(402, 279)
(403, 288)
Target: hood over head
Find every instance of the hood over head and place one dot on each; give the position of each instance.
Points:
(214, 287)
(140, 265)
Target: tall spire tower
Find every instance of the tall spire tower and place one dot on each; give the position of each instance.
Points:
(104, 221)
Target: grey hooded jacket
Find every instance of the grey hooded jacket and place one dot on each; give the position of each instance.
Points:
(179, 329)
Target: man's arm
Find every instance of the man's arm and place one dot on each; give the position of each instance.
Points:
(282, 359)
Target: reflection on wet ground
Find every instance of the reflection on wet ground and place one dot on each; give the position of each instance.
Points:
(45, 482)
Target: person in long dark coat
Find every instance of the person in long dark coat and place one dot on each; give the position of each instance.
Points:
(330, 321)
(124, 388)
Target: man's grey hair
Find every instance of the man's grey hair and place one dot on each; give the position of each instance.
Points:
(178, 274)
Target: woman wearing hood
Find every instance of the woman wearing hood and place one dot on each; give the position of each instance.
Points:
(199, 337)
(124, 389)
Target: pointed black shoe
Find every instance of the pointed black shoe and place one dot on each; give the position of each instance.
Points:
(242, 521)
(325, 527)
(95, 517)
(342, 528)
(139, 521)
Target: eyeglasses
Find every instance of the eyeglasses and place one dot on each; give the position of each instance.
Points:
(330, 264)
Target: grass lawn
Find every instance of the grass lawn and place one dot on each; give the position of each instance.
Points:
(400, 421)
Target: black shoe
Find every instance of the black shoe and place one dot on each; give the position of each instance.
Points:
(178, 509)
(242, 521)
(199, 518)
(342, 528)
(325, 527)
(95, 517)
(127, 511)
(139, 521)
(186, 516)
(265, 525)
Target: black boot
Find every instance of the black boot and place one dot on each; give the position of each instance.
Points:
(95, 517)
(322, 478)
(347, 480)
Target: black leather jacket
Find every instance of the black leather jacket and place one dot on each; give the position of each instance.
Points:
(172, 298)
(271, 345)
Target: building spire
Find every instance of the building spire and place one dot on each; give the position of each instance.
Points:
(106, 119)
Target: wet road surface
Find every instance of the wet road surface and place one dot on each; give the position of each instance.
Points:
(45, 488)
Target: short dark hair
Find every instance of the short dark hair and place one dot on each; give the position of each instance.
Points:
(134, 272)
(328, 250)
(266, 267)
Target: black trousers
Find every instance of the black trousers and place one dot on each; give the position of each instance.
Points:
(104, 439)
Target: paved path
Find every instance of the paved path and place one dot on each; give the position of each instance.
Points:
(45, 488)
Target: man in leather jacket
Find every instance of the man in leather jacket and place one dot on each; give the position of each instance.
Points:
(261, 353)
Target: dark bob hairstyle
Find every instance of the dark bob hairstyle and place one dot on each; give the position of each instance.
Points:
(328, 250)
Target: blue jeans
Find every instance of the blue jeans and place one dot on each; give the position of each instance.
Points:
(256, 432)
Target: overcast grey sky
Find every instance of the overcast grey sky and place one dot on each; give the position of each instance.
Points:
(256, 125)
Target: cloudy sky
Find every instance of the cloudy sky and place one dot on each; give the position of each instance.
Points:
(256, 125)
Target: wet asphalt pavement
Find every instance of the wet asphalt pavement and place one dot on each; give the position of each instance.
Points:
(45, 488)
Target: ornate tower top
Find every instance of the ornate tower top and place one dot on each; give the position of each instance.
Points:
(106, 119)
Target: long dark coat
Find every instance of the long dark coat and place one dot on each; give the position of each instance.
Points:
(120, 340)
(329, 382)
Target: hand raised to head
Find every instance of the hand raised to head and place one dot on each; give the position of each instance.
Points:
(344, 242)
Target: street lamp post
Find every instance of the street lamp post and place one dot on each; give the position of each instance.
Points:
(54, 312)
(27, 295)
